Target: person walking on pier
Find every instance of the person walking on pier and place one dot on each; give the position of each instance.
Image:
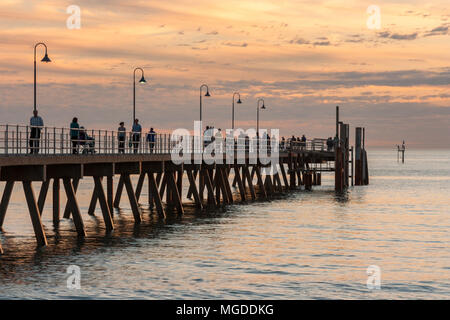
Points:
(121, 137)
(36, 124)
(136, 135)
(151, 135)
(74, 134)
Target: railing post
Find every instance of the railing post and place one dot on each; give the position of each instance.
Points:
(62, 141)
(26, 144)
(54, 140)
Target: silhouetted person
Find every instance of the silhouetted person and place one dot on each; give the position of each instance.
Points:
(136, 135)
(151, 137)
(74, 134)
(121, 133)
(36, 124)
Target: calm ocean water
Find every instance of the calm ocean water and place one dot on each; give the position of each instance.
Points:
(305, 245)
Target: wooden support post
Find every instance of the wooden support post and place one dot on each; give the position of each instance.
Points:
(176, 199)
(238, 179)
(283, 173)
(1, 249)
(34, 214)
(180, 182)
(103, 204)
(216, 185)
(155, 194)
(5, 200)
(209, 186)
(66, 214)
(277, 180)
(193, 189)
(43, 195)
(109, 193)
(132, 197)
(92, 204)
(140, 185)
(56, 201)
(246, 174)
(76, 215)
(292, 173)
(358, 157)
(163, 186)
(226, 184)
(201, 187)
(118, 193)
(262, 190)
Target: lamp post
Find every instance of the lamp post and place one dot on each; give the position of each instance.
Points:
(45, 59)
(257, 114)
(232, 112)
(206, 95)
(134, 89)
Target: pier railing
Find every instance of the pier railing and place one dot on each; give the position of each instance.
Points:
(24, 139)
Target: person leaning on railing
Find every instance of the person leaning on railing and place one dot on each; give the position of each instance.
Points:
(36, 124)
(121, 133)
(74, 134)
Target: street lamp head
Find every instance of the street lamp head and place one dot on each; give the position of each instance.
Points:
(46, 58)
(142, 80)
(263, 106)
(239, 101)
(207, 94)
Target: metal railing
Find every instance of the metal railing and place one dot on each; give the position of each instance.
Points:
(25, 139)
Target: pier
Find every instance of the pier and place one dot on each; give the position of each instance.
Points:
(52, 165)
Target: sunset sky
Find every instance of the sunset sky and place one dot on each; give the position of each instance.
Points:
(302, 57)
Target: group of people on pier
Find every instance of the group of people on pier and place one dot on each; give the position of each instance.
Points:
(82, 142)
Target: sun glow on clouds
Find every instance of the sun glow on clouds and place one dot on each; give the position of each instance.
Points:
(302, 56)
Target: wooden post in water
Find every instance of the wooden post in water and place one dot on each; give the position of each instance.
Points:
(358, 160)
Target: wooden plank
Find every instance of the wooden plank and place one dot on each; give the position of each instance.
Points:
(43, 195)
(34, 214)
(76, 214)
(156, 197)
(107, 217)
(127, 168)
(99, 169)
(118, 193)
(56, 201)
(66, 214)
(1, 249)
(73, 171)
(5, 200)
(132, 198)
(193, 188)
(23, 173)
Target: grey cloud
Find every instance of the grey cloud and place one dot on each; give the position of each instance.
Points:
(441, 30)
(234, 44)
(397, 36)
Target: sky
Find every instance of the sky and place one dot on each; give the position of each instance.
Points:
(302, 57)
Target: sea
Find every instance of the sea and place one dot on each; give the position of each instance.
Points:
(387, 240)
